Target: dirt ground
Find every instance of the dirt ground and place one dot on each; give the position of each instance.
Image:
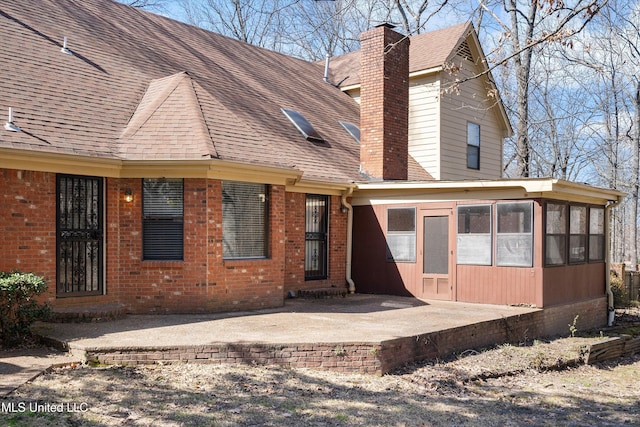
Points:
(541, 383)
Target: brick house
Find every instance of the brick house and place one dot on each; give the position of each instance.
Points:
(153, 164)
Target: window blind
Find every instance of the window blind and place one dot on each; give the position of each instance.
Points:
(244, 220)
(163, 219)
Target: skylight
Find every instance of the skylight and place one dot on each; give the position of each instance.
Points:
(303, 126)
(353, 130)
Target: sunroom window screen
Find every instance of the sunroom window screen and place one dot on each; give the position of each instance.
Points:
(596, 234)
(577, 234)
(163, 224)
(401, 234)
(244, 220)
(556, 234)
(474, 235)
(514, 238)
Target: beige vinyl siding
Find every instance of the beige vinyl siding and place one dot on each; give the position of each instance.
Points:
(438, 124)
(470, 104)
(424, 118)
(355, 94)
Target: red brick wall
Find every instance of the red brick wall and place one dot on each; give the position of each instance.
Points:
(204, 281)
(384, 103)
(28, 226)
(295, 247)
(247, 284)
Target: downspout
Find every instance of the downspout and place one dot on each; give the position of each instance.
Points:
(611, 311)
(352, 285)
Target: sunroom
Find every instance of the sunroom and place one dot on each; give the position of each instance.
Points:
(537, 242)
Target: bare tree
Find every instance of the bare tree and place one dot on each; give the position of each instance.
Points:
(307, 28)
(609, 51)
(629, 32)
(152, 5)
(257, 22)
(316, 29)
(415, 14)
(530, 25)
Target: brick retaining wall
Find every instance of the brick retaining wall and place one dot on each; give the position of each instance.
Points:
(344, 357)
(373, 358)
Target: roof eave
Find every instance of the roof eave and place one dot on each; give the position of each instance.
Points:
(549, 188)
(42, 161)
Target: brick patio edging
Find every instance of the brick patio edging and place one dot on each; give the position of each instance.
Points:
(343, 357)
(365, 357)
(371, 358)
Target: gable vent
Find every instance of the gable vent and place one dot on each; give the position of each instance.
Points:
(303, 126)
(464, 51)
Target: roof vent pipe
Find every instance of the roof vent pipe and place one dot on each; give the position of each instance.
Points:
(10, 126)
(326, 69)
(64, 48)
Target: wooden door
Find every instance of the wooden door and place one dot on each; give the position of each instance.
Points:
(436, 256)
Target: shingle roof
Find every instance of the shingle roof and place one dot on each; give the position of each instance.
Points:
(427, 50)
(143, 87)
(170, 113)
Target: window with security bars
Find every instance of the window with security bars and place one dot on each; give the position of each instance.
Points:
(245, 210)
(163, 219)
(316, 227)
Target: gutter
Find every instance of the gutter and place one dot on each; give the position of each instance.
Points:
(352, 285)
(611, 311)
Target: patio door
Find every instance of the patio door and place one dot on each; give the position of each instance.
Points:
(79, 236)
(436, 255)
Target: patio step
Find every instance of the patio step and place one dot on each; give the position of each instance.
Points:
(88, 313)
(320, 293)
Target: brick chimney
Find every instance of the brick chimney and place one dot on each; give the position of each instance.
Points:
(384, 103)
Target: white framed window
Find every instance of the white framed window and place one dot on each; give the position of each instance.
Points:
(514, 234)
(474, 235)
(473, 145)
(245, 211)
(401, 234)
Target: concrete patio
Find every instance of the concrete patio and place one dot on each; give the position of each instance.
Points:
(368, 333)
